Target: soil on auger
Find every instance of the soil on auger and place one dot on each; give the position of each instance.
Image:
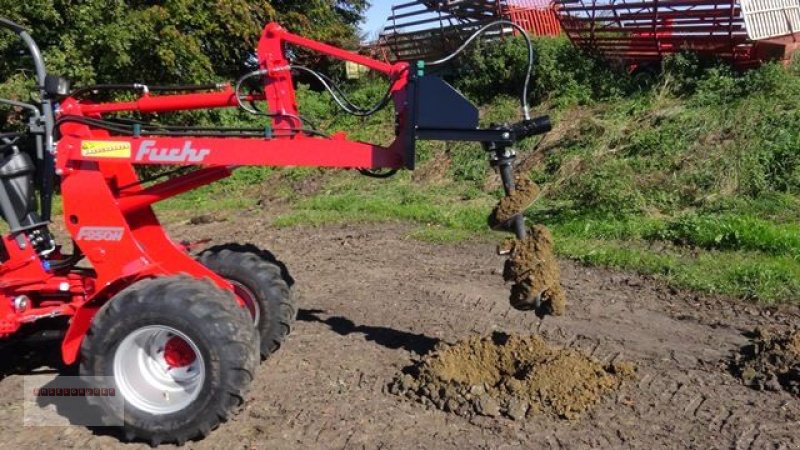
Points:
(525, 194)
(532, 266)
(512, 376)
(771, 361)
(533, 269)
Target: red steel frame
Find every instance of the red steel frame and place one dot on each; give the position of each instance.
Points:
(536, 16)
(109, 215)
(636, 31)
(427, 30)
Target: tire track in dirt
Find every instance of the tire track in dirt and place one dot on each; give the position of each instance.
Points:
(460, 297)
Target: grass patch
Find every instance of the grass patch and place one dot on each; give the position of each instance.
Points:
(749, 275)
(442, 235)
(684, 251)
(706, 231)
(230, 193)
(398, 200)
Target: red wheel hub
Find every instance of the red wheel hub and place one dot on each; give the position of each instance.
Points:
(178, 353)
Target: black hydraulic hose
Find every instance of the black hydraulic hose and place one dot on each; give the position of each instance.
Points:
(531, 55)
(188, 87)
(375, 174)
(92, 122)
(128, 130)
(252, 110)
(184, 128)
(105, 87)
(341, 99)
(168, 173)
(69, 261)
(47, 182)
(338, 96)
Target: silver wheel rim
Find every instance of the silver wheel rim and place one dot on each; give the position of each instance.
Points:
(249, 299)
(155, 372)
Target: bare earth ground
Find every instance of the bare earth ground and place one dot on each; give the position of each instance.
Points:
(372, 300)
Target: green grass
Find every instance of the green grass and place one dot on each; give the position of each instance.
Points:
(708, 231)
(749, 275)
(232, 193)
(710, 254)
(444, 212)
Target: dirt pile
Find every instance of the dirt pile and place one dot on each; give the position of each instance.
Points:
(512, 376)
(771, 361)
(533, 269)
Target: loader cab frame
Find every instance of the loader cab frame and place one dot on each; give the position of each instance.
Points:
(26, 157)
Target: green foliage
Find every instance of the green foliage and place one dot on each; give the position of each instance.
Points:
(562, 73)
(669, 150)
(375, 201)
(175, 41)
(733, 232)
(740, 274)
(711, 81)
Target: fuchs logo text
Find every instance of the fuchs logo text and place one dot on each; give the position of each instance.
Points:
(149, 152)
(100, 233)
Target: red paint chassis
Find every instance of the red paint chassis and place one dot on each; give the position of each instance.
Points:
(108, 213)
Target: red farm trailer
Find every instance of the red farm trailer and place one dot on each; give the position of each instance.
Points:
(426, 29)
(639, 33)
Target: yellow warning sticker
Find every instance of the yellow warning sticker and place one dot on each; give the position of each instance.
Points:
(106, 149)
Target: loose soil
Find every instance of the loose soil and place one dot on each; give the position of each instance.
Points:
(525, 194)
(533, 269)
(373, 301)
(771, 361)
(514, 376)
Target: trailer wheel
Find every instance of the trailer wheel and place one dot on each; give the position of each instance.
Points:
(180, 352)
(263, 283)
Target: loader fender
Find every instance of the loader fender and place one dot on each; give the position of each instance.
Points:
(82, 320)
(78, 327)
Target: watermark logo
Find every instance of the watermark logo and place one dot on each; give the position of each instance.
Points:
(100, 234)
(52, 400)
(149, 152)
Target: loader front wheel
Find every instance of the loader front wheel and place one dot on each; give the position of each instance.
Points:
(180, 353)
(262, 283)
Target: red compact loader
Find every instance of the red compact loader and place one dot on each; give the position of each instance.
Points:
(176, 334)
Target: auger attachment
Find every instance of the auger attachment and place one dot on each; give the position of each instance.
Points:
(531, 266)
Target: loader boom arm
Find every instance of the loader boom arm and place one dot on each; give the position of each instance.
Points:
(284, 143)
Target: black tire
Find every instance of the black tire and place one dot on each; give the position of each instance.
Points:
(266, 280)
(210, 318)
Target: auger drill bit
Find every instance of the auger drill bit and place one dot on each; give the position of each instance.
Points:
(531, 266)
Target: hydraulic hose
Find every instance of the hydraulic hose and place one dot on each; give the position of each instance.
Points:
(524, 99)
(252, 110)
(341, 99)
